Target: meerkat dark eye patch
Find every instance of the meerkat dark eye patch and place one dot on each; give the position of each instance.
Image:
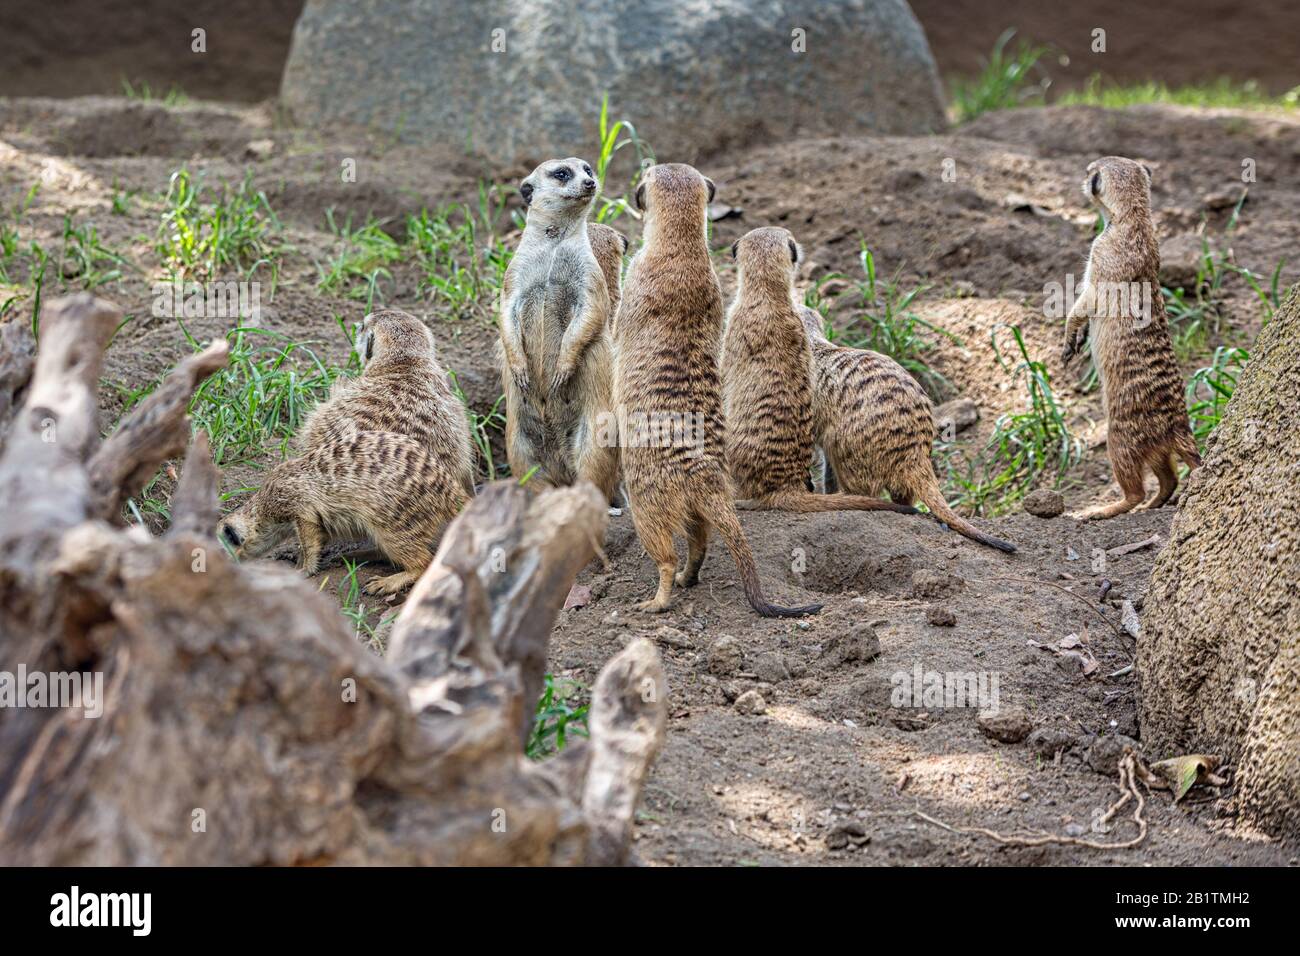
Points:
(1146, 169)
(639, 197)
(231, 535)
(623, 239)
(713, 190)
(794, 251)
(370, 347)
(526, 190)
(735, 246)
(1095, 185)
(561, 175)
(587, 169)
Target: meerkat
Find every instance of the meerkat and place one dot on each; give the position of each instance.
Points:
(383, 485)
(767, 389)
(875, 427)
(554, 349)
(609, 247)
(667, 392)
(402, 388)
(1121, 310)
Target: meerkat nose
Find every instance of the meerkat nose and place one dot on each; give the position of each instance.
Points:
(589, 184)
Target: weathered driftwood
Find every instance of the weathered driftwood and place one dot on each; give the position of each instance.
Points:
(241, 722)
(1219, 656)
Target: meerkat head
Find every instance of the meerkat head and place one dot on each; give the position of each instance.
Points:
(390, 332)
(255, 527)
(813, 324)
(769, 254)
(561, 187)
(1117, 185)
(676, 192)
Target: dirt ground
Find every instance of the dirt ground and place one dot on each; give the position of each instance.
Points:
(832, 772)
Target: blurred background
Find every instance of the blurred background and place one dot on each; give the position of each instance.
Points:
(146, 42)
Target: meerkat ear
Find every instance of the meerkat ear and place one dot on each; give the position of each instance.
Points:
(1146, 169)
(713, 190)
(624, 240)
(526, 190)
(794, 252)
(639, 197)
(734, 246)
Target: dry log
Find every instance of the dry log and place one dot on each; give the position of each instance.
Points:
(241, 722)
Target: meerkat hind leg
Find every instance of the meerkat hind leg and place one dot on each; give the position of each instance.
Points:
(658, 542)
(1130, 480)
(1168, 479)
(697, 545)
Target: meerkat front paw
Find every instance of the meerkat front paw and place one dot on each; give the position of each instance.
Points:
(653, 606)
(391, 584)
(563, 372)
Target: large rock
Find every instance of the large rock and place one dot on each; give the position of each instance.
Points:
(695, 77)
(1219, 658)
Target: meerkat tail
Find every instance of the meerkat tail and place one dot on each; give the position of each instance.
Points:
(722, 516)
(933, 499)
(803, 501)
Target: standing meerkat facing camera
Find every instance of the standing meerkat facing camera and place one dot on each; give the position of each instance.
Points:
(554, 350)
(875, 425)
(667, 391)
(1120, 309)
(767, 387)
(402, 388)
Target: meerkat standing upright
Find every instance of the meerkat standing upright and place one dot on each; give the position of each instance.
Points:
(556, 366)
(875, 426)
(767, 388)
(1121, 310)
(666, 380)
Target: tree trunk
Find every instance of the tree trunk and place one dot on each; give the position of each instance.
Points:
(1219, 657)
(241, 722)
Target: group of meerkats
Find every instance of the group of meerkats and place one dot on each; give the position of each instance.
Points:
(640, 382)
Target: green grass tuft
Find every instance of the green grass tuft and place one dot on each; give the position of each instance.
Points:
(1006, 81)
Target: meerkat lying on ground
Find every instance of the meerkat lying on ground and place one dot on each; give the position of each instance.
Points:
(554, 350)
(382, 485)
(387, 457)
(1121, 310)
(875, 426)
(403, 388)
(767, 389)
(666, 389)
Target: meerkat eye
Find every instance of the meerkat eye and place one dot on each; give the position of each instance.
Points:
(587, 169)
(562, 174)
(1096, 182)
(231, 536)
(526, 190)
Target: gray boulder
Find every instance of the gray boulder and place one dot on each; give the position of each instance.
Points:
(518, 81)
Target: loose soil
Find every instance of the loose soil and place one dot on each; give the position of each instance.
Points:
(832, 771)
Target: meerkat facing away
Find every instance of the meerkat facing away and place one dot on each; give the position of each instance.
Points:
(402, 388)
(875, 425)
(609, 247)
(554, 350)
(667, 391)
(382, 485)
(1121, 310)
(767, 389)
